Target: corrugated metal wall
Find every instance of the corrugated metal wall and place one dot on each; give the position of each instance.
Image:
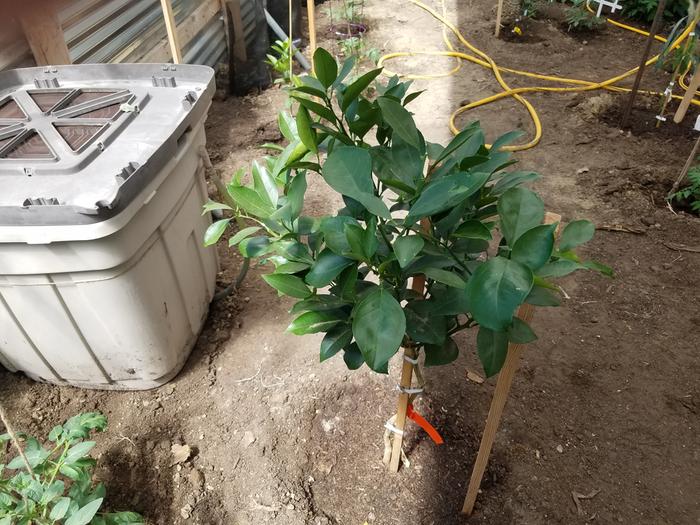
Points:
(127, 31)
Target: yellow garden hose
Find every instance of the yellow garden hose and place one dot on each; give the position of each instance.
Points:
(481, 58)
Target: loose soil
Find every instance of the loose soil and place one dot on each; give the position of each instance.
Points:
(606, 400)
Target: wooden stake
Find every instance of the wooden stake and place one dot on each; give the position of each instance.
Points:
(44, 34)
(655, 26)
(499, 14)
(687, 98)
(311, 15)
(498, 403)
(171, 29)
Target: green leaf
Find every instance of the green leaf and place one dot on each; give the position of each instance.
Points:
(495, 289)
(325, 67)
(348, 170)
(70, 472)
(254, 246)
(288, 285)
(287, 126)
(54, 435)
(59, 510)
(78, 451)
(313, 322)
(534, 247)
(314, 107)
(85, 514)
(242, 234)
(473, 229)
(250, 201)
(437, 355)
(210, 205)
(264, 184)
(215, 231)
(444, 193)
(576, 233)
(492, 348)
(445, 277)
(449, 301)
(520, 332)
(599, 267)
(357, 87)
(511, 180)
(35, 456)
(333, 229)
(353, 357)
(400, 120)
(292, 267)
(326, 268)
(378, 326)
(363, 242)
(335, 340)
(559, 268)
(307, 135)
(406, 248)
(505, 139)
(422, 325)
(520, 210)
(540, 296)
(318, 303)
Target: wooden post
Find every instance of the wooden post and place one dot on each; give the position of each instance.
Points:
(499, 14)
(498, 403)
(686, 167)
(239, 50)
(655, 26)
(311, 15)
(44, 33)
(171, 28)
(688, 97)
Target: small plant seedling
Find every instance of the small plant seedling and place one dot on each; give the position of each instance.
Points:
(280, 60)
(451, 214)
(690, 194)
(57, 486)
(579, 18)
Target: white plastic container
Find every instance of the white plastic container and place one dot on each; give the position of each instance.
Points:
(104, 282)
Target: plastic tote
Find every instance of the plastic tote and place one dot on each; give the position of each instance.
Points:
(104, 282)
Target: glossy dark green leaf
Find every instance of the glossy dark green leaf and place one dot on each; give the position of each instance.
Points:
(335, 340)
(313, 322)
(210, 205)
(443, 354)
(506, 139)
(347, 283)
(406, 248)
(348, 170)
(576, 233)
(599, 267)
(333, 229)
(540, 296)
(520, 332)
(445, 277)
(496, 289)
(449, 301)
(326, 268)
(243, 234)
(473, 229)
(314, 91)
(307, 135)
(534, 247)
(215, 231)
(422, 325)
(379, 325)
(288, 285)
(492, 348)
(292, 267)
(314, 107)
(511, 180)
(465, 144)
(318, 303)
(325, 67)
(519, 210)
(412, 96)
(559, 268)
(400, 120)
(353, 357)
(250, 201)
(357, 87)
(254, 246)
(445, 193)
(287, 126)
(264, 184)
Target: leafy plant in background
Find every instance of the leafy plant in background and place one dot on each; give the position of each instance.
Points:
(355, 47)
(56, 487)
(690, 195)
(412, 208)
(644, 10)
(579, 18)
(281, 62)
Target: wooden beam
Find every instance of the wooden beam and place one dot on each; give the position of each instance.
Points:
(239, 47)
(189, 27)
(171, 29)
(44, 33)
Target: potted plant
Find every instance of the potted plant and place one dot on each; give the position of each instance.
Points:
(452, 214)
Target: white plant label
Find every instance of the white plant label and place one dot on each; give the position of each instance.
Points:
(614, 6)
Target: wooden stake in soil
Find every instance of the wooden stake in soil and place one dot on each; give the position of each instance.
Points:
(687, 98)
(171, 29)
(499, 14)
(311, 15)
(655, 26)
(686, 167)
(15, 441)
(500, 396)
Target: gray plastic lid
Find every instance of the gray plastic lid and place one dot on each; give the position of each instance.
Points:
(79, 142)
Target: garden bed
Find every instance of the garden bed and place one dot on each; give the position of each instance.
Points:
(607, 398)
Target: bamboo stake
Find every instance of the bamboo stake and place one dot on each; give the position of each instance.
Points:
(498, 403)
(499, 14)
(686, 167)
(15, 440)
(171, 29)
(655, 26)
(688, 97)
(311, 14)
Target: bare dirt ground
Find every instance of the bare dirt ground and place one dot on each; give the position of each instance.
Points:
(607, 399)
